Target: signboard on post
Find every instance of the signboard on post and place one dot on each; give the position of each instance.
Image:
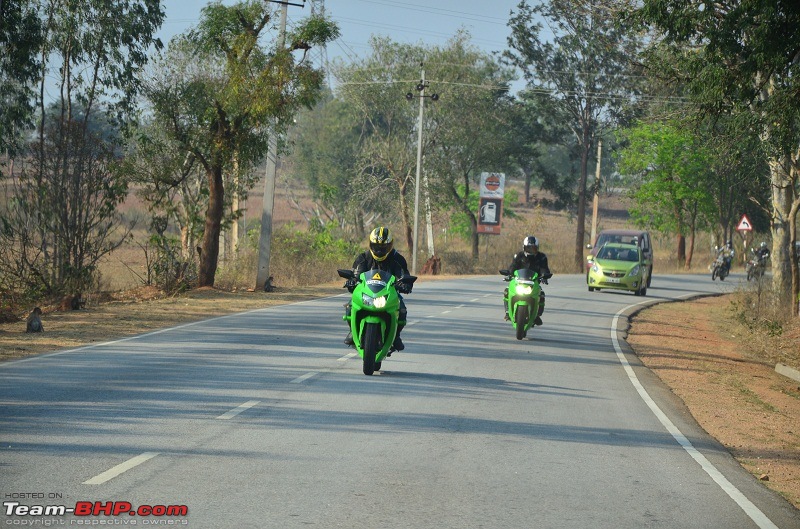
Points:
(745, 224)
(490, 207)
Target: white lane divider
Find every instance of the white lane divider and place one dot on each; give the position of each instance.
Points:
(305, 377)
(348, 356)
(119, 469)
(729, 488)
(238, 409)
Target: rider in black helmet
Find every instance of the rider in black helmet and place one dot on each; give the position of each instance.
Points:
(530, 257)
(381, 255)
(763, 251)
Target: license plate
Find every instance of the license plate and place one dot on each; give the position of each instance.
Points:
(612, 279)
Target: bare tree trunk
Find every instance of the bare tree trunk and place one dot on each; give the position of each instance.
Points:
(794, 258)
(210, 253)
(580, 234)
(782, 255)
(407, 221)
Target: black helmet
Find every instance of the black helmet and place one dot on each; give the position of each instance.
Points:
(530, 244)
(763, 244)
(380, 243)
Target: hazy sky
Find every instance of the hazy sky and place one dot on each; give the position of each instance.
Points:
(412, 21)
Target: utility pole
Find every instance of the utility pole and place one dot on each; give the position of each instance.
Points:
(265, 240)
(595, 205)
(409, 96)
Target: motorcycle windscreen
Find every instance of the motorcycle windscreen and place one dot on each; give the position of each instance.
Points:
(376, 280)
(526, 273)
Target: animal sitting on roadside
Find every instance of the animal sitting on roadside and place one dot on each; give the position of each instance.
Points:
(34, 321)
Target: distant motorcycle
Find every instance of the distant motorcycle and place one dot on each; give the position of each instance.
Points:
(756, 266)
(721, 267)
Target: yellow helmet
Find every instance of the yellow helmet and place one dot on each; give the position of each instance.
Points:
(380, 243)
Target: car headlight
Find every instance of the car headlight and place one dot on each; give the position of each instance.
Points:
(596, 268)
(524, 290)
(635, 270)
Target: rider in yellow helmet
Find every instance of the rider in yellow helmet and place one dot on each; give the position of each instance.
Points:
(381, 255)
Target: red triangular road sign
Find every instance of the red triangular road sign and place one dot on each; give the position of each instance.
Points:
(745, 224)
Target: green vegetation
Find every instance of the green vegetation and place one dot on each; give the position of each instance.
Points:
(695, 107)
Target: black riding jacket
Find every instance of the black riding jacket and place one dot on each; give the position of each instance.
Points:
(394, 263)
(537, 263)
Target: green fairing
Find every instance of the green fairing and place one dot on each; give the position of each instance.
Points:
(525, 308)
(364, 315)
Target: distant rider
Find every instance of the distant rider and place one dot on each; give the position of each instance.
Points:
(530, 257)
(727, 252)
(763, 252)
(381, 255)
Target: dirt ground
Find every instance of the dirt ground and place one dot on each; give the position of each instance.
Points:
(733, 392)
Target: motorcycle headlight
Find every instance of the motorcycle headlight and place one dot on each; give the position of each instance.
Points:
(524, 290)
(378, 302)
(635, 270)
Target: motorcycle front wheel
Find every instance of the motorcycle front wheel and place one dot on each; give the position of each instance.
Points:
(372, 343)
(521, 320)
(713, 274)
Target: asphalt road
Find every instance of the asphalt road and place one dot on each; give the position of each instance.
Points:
(264, 419)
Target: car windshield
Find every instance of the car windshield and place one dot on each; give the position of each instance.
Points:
(622, 239)
(618, 254)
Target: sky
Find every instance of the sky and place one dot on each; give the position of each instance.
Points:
(405, 21)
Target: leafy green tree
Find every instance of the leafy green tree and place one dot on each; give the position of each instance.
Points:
(741, 59)
(374, 88)
(671, 172)
(62, 216)
(217, 91)
(582, 68)
(474, 126)
(325, 155)
(466, 131)
(543, 147)
(21, 39)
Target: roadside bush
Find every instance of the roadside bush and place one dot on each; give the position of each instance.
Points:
(297, 257)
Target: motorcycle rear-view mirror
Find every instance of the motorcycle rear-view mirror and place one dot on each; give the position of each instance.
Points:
(346, 273)
(505, 272)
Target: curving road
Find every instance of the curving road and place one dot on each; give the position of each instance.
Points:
(263, 419)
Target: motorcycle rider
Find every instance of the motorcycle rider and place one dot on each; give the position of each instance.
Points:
(530, 257)
(763, 252)
(381, 255)
(727, 252)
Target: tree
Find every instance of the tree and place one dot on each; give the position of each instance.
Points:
(62, 216)
(21, 39)
(671, 175)
(325, 154)
(219, 104)
(742, 59)
(466, 131)
(474, 126)
(580, 70)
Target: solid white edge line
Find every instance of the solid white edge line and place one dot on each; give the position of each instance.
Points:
(238, 409)
(736, 495)
(119, 469)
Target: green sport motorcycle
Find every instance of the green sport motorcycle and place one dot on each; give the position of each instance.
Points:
(374, 312)
(522, 298)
